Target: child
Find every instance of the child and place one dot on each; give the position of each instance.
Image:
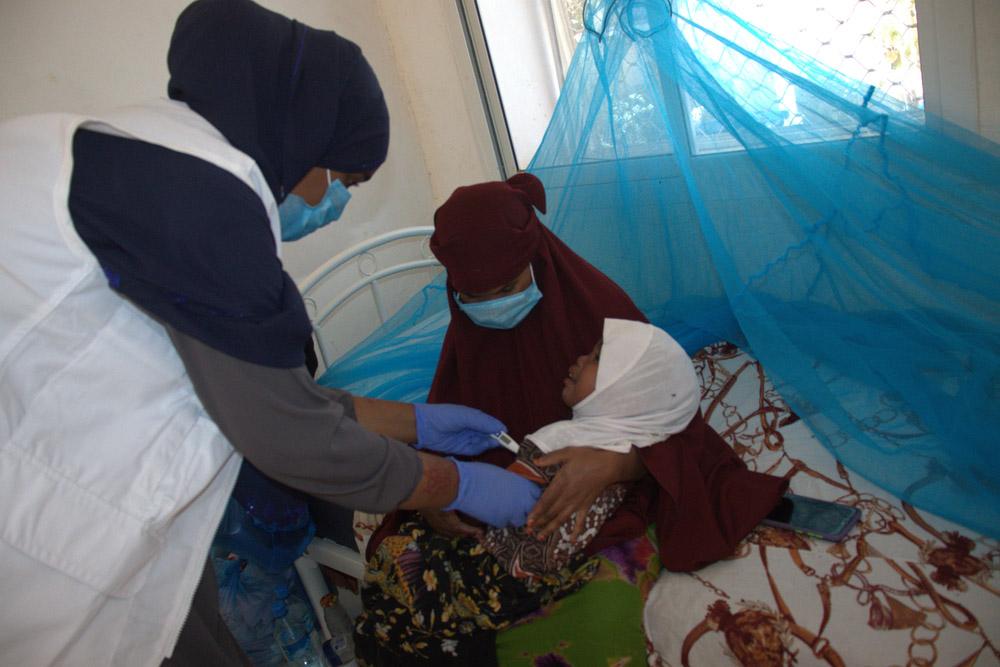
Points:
(430, 599)
(637, 387)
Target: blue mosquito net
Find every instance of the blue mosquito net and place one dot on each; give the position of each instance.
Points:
(740, 190)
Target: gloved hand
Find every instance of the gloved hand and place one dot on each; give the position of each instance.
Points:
(493, 495)
(455, 429)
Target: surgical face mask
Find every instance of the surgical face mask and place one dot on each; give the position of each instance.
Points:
(299, 218)
(505, 312)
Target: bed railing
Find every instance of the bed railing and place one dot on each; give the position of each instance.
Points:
(368, 256)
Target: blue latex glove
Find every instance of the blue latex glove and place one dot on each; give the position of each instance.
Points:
(455, 429)
(493, 495)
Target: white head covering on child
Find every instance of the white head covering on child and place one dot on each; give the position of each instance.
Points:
(646, 390)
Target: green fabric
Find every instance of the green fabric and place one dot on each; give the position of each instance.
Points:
(600, 624)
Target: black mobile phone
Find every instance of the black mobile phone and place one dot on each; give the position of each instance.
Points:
(819, 518)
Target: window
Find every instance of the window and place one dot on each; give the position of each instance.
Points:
(522, 49)
(872, 41)
(525, 47)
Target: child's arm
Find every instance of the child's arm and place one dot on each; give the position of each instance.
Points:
(585, 473)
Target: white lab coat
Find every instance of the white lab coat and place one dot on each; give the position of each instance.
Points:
(112, 476)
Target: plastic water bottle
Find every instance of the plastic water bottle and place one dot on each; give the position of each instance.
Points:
(266, 523)
(246, 593)
(294, 635)
(341, 628)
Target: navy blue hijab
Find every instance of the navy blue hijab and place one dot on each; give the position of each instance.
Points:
(290, 96)
(190, 243)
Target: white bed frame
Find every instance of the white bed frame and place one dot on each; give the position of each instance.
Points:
(378, 264)
(401, 251)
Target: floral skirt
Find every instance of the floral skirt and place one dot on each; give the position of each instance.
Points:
(430, 599)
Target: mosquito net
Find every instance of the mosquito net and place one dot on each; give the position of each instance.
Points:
(741, 190)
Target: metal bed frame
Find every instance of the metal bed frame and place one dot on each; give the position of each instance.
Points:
(323, 313)
(366, 255)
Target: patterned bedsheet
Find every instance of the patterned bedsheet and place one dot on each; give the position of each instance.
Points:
(904, 588)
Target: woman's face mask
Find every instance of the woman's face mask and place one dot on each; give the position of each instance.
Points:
(299, 218)
(503, 313)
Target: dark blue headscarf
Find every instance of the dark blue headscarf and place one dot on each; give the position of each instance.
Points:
(189, 242)
(290, 96)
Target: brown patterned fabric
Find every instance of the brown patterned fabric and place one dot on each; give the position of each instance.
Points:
(903, 588)
(524, 555)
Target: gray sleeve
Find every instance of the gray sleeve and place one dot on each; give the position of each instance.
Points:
(298, 432)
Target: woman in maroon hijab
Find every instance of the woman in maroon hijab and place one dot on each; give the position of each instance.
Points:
(540, 305)
(496, 251)
(526, 306)
(523, 307)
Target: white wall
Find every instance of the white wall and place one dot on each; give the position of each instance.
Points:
(440, 82)
(528, 70)
(89, 55)
(960, 62)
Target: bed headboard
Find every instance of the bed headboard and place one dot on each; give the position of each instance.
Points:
(358, 289)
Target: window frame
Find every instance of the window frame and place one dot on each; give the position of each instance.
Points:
(949, 75)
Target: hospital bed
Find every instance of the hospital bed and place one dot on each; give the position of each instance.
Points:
(904, 587)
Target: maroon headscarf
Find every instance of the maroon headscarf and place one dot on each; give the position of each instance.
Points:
(485, 235)
(700, 494)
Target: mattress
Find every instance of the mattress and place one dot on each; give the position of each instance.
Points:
(904, 586)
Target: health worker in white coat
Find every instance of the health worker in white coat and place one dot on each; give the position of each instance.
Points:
(150, 340)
